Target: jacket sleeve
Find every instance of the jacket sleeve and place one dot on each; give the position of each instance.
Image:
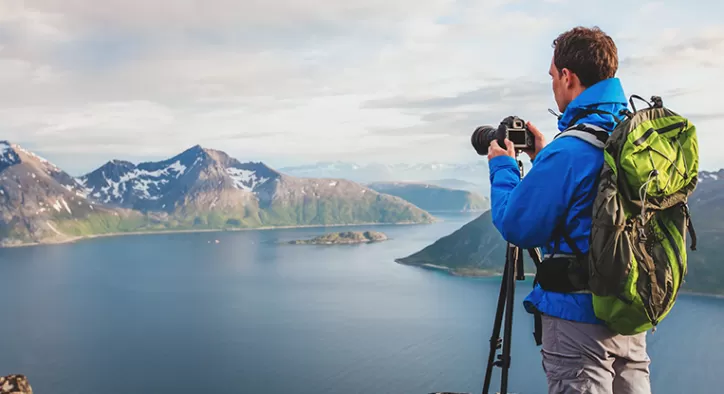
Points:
(526, 212)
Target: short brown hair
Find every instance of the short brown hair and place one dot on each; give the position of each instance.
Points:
(588, 52)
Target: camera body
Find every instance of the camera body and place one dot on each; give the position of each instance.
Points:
(512, 128)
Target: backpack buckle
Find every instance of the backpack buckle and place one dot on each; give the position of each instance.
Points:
(642, 234)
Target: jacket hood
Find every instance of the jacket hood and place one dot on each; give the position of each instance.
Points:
(606, 95)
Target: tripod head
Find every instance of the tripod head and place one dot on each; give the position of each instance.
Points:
(520, 162)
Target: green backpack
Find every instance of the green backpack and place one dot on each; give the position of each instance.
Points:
(637, 257)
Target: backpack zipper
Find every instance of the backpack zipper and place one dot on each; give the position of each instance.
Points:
(661, 130)
(670, 127)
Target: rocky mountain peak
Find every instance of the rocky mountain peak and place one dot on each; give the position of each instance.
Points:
(116, 165)
(709, 190)
(8, 155)
(163, 185)
(707, 176)
(17, 163)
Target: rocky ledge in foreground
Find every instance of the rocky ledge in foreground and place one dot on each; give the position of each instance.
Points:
(15, 384)
(345, 237)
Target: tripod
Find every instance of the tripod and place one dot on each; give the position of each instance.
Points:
(512, 271)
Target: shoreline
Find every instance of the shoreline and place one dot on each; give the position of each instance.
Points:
(483, 274)
(73, 239)
(700, 294)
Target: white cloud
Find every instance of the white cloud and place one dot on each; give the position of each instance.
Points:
(288, 81)
(32, 24)
(187, 15)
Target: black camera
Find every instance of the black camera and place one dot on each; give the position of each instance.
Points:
(512, 128)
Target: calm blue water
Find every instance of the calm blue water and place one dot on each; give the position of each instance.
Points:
(177, 314)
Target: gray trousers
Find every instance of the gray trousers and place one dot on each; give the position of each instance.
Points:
(591, 359)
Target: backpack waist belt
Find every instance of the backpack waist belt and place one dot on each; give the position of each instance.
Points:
(562, 274)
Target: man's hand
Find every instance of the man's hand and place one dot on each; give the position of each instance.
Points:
(540, 141)
(494, 150)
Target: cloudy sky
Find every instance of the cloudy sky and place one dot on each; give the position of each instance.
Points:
(299, 81)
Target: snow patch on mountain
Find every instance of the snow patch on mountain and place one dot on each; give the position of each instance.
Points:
(245, 179)
(176, 168)
(705, 176)
(65, 204)
(60, 204)
(144, 183)
(711, 178)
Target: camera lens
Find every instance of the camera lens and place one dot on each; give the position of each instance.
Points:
(482, 137)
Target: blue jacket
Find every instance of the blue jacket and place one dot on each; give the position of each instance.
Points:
(561, 183)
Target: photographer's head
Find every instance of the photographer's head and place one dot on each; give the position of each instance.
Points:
(582, 57)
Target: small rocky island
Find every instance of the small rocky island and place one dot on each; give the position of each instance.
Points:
(345, 237)
(15, 384)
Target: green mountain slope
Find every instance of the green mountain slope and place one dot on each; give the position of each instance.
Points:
(476, 249)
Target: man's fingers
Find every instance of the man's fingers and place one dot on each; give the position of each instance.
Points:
(494, 148)
(510, 147)
(534, 130)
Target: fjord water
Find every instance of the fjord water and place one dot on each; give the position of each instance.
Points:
(179, 313)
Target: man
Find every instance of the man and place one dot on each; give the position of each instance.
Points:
(580, 354)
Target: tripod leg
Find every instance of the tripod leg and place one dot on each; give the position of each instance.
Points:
(495, 338)
(515, 257)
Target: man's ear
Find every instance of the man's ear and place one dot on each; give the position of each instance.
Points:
(567, 77)
(570, 79)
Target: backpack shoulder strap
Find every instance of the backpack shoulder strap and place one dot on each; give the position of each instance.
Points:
(597, 137)
(592, 134)
(560, 231)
